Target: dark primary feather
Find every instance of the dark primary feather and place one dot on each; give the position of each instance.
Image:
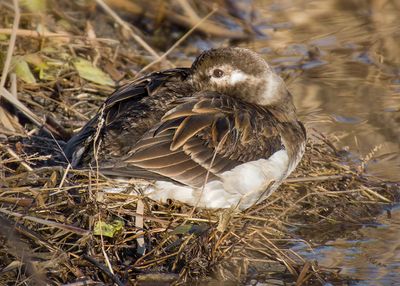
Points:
(124, 117)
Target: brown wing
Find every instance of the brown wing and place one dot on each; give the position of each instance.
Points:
(202, 137)
(114, 112)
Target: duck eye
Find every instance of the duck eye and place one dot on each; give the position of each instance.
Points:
(218, 73)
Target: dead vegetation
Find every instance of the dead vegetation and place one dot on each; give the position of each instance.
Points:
(59, 226)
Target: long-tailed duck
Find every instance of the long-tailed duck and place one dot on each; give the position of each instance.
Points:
(222, 133)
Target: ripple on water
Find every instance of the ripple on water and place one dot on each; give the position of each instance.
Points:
(373, 258)
(341, 59)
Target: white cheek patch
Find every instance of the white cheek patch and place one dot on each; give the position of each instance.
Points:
(232, 77)
(272, 84)
(236, 77)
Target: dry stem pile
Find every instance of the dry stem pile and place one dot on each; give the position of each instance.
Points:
(59, 226)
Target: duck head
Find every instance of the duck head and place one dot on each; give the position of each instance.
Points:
(240, 73)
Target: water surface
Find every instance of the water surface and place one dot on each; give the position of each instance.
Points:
(341, 60)
(372, 257)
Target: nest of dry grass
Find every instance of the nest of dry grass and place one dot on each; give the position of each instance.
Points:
(58, 226)
(51, 218)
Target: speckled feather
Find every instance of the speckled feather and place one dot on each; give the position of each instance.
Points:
(185, 127)
(128, 113)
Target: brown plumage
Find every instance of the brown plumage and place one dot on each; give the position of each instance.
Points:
(193, 126)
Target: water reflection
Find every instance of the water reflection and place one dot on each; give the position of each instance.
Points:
(342, 60)
(373, 258)
(348, 55)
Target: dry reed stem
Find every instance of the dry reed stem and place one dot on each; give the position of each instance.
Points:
(375, 194)
(11, 44)
(45, 202)
(43, 34)
(65, 227)
(313, 179)
(256, 239)
(139, 224)
(15, 155)
(177, 43)
(18, 104)
(124, 25)
(211, 28)
(189, 11)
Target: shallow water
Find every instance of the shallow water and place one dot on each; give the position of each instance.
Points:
(342, 62)
(372, 257)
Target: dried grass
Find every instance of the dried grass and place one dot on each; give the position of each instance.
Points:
(49, 212)
(53, 211)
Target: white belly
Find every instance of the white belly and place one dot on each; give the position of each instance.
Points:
(241, 187)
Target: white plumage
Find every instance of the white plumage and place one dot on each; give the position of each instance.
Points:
(240, 187)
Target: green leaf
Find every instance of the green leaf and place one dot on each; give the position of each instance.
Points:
(22, 70)
(106, 229)
(36, 60)
(89, 72)
(48, 69)
(35, 6)
(190, 229)
(182, 229)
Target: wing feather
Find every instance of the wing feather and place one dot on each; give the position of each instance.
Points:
(202, 137)
(189, 127)
(112, 114)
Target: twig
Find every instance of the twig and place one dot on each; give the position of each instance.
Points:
(21, 251)
(83, 283)
(69, 228)
(189, 10)
(177, 43)
(64, 177)
(29, 114)
(186, 216)
(14, 90)
(180, 250)
(376, 194)
(9, 121)
(118, 19)
(303, 277)
(209, 27)
(34, 34)
(283, 257)
(92, 39)
(294, 204)
(45, 34)
(18, 104)
(313, 179)
(104, 269)
(139, 224)
(23, 202)
(15, 155)
(39, 239)
(11, 44)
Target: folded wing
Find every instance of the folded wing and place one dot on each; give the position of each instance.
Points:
(202, 137)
